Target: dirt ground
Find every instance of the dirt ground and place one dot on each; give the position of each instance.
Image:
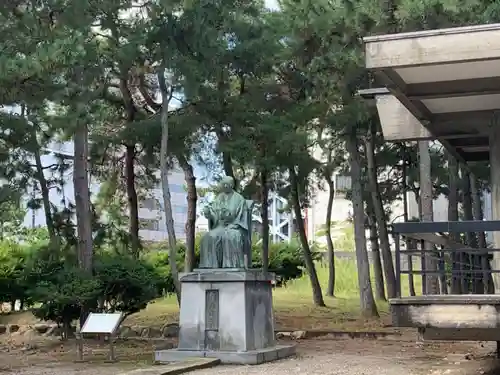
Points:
(24, 355)
(27, 353)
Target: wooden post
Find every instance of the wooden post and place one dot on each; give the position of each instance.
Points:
(112, 339)
(79, 347)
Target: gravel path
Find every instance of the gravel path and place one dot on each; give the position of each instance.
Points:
(358, 357)
(320, 356)
(323, 364)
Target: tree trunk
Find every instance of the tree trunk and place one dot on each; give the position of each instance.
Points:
(227, 161)
(192, 200)
(453, 194)
(169, 219)
(368, 306)
(456, 287)
(311, 269)
(66, 331)
(416, 192)
(488, 285)
(82, 203)
(494, 142)
(472, 237)
(130, 155)
(477, 209)
(426, 204)
(377, 264)
(467, 206)
(49, 222)
(330, 290)
(133, 208)
(264, 213)
(409, 243)
(380, 216)
(40, 176)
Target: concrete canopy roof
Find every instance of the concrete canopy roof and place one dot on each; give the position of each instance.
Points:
(442, 84)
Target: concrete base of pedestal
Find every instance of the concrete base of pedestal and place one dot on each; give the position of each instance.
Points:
(252, 357)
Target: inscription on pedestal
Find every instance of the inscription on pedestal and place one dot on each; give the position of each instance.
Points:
(212, 319)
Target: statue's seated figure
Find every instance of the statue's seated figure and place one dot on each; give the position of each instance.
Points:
(224, 246)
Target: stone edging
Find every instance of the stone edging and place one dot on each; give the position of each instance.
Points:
(47, 330)
(178, 368)
(172, 331)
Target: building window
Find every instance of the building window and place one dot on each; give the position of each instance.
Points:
(179, 209)
(342, 183)
(149, 224)
(174, 188)
(150, 204)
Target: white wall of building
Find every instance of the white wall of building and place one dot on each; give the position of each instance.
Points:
(151, 211)
(440, 207)
(342, 210)
(316, 212)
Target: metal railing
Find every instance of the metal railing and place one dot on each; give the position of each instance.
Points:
(450, 257)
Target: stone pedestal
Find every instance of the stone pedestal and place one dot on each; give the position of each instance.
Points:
(227, 314)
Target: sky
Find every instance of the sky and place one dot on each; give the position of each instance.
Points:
(272, 4)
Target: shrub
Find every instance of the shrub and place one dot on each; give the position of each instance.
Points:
(63, 294)
(157, 258)
(12, 272)
(285, 260)
(125, 284)
(118, 283)
(33, 272)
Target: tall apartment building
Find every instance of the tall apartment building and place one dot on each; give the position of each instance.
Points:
(152, 211)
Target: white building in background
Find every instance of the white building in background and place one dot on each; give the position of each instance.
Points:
(440, 207)
(151, 211)
(342, 208)
(58, 198)
(280, 219)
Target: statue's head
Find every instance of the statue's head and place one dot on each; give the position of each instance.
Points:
(227, 184)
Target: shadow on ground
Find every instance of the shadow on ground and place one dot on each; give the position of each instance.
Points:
(491, 366)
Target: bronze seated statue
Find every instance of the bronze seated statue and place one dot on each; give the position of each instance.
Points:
(227, 244)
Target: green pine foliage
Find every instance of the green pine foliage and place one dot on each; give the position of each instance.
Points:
(271, 87)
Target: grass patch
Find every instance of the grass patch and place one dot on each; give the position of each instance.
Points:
(293, 305)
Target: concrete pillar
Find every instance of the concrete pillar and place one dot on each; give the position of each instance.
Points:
(495, 195)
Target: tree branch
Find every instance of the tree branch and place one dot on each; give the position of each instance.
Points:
(145, 94)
